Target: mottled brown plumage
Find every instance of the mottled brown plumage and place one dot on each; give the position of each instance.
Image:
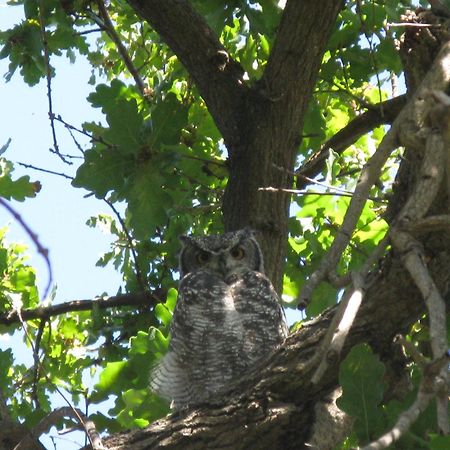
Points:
(227, 318)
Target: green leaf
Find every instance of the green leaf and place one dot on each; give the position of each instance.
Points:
(171, 301)
(125, 124)
(168, 118)
(439, 442)
(103, 170)
(111, 380)
(148, 202)
(158, 342)
(106, 97)
(16, 189)
(163, 314)
(361, 377)
(139, 344)
(323, 297)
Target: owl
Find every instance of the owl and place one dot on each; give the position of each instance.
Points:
(227, 318)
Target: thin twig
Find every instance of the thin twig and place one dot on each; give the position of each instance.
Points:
(33, 236)
(94, 438)
(412, 25)
(140, 279)
(336, 191)
(40, 169)
(304, 192)
(37, 363)
(311, 180)
(51, 115)
(108, 27)
(99, 139)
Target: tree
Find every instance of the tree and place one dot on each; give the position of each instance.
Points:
(221, 115)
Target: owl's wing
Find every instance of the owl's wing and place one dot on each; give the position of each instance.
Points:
(182, 374)
(264, 318)
(168, 380)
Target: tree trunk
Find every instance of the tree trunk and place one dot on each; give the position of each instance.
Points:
(261, 124)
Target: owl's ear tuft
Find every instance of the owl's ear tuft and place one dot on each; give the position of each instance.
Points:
(185, 239)
(247, 232)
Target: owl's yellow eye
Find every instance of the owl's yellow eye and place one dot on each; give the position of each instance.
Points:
(237, 252)
(202, 257)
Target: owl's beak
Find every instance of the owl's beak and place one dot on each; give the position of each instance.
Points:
(223, 266)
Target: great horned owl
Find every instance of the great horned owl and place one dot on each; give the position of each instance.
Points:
(226, 319)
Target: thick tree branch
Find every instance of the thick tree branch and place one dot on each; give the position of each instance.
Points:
(217, 76)
(381, 113)
(271, 128)
(292, 63)
(45, 312)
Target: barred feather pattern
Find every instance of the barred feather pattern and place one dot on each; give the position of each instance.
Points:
(225, 322)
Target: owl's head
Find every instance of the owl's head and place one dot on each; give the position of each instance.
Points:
(223, 254)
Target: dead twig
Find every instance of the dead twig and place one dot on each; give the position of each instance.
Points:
(48, 75)
(52, 419)
(367, 179)
(108, 27)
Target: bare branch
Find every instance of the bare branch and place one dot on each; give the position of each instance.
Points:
(108, 27)
(51, 115)
(52, 419)
(337, 192)
(41, 312)
(367, 179)
(40, 169)
(379, 114)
